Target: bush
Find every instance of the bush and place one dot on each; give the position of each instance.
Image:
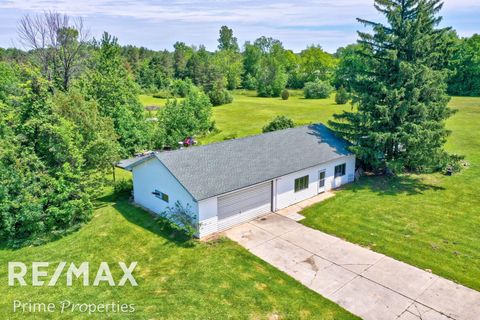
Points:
(220, 96)
(342, 96)
(285, 94)
(162, 94)
(123, 188)
(279, 123)
(181, 88)
(317, 90)
(181, 218)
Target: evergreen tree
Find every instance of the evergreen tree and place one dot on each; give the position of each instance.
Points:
(401, 91)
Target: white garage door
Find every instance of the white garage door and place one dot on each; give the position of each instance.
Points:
(244, 205)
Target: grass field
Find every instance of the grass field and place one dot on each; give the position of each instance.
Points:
(248, 114)
(430, 221)
(148, 100)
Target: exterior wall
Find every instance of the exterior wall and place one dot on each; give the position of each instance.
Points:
(283, 191)
(207, 212)
(153, 175)
(285, 194)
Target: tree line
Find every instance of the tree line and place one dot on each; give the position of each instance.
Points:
(70, 108)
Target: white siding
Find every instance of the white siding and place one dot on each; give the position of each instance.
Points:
(285, 192)
(153, 175)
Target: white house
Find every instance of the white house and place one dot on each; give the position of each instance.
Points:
(234, 181)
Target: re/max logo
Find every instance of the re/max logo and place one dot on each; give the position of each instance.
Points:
(17, 274)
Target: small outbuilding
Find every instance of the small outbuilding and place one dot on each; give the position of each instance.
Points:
(231, 182)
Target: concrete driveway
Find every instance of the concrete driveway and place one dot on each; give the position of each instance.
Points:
(368, 284)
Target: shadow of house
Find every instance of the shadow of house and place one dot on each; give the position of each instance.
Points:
(391, 186)
(153, 224)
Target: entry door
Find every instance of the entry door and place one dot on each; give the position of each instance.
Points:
(321, 181)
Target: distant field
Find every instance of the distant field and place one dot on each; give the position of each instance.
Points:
(148, 100)
(248, 114)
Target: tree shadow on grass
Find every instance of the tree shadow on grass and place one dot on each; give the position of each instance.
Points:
(151, 223)
(390, 186)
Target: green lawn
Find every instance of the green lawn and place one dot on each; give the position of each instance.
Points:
(177, 280)
(248, 114)
(430, 221)
(148, 100)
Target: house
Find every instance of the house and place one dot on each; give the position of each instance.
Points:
(230, 182)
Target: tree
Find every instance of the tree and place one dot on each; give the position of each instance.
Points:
(181, 119)
(109, 84)
(316, 64)
(227, 41)
(271, 76)
(466, 67)
(230, 65)
(181, 56)
(352, 64)
(58, 41)
(342, 96)
(203, 71)
(401, 92)
(9, 82)
(251, 63)
(45, 189)
(279, 123)
(317, 90)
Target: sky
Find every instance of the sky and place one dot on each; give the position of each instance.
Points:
(159, 24)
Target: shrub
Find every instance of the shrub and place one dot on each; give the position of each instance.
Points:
(220, 96)
(317, 90)
(181, 88)
(250, 82)
(279, 123)
(181, 218)
(342, 96)
(162, 94)
(285, 94)
(123, 188)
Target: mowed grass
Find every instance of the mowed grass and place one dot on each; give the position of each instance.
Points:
(148, 100)
(430, 221)
(248, 114)
(176, 279)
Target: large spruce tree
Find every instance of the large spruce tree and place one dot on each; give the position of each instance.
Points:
(400, 94)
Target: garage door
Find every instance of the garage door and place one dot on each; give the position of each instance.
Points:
(244, 205)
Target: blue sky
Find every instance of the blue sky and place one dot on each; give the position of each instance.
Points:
(158, 24)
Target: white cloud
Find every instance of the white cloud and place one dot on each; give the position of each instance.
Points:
(325, 21)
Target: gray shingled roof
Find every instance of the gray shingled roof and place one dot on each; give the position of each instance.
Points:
(214, 169)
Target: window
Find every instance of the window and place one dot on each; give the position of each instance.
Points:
(161, 195)
(340, 170)
(301, 184)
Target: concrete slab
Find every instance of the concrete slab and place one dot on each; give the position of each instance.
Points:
(310, 239)
(275, 224)
(370, 300)
(330, 279)
(316, 199)
(451, 299)
(350, 256)
(289, 210)
(248, 235)
(422, 312)
(285, 257)
(400, 277)
(364, 282)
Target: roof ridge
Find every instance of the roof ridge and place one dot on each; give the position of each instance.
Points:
(238, 139)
